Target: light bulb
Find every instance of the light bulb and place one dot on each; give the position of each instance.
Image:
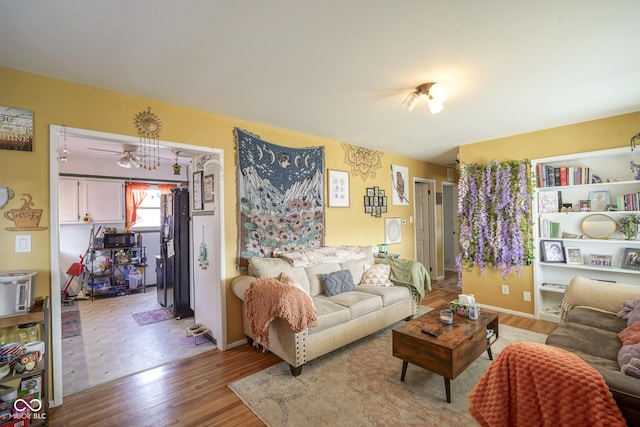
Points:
(437, 92)
(435, 106)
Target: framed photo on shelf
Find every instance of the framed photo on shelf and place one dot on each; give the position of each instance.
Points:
(631, 259)
(598, 260)
(599, 200)
(552, 251)
(574, 255)
(585, 205)
(338, 189)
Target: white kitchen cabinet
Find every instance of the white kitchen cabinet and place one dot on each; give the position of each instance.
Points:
(91, 200)
(604, 258)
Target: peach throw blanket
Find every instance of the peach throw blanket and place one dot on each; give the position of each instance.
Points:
(533, 384)
(268, 298)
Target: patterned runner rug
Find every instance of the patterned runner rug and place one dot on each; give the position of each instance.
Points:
(152, 316)
(359, 385)
(71, 326)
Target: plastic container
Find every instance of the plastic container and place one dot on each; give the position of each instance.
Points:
(135, 278)
(17, 292)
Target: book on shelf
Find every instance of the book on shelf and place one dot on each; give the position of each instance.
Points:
(556, 176)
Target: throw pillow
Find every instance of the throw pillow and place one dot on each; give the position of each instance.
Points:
(377, 275)
(288, 280)
(337, 282)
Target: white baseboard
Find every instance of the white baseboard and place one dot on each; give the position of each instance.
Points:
(504, 310)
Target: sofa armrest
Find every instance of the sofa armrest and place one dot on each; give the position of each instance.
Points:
(240, 284)
(596, 294)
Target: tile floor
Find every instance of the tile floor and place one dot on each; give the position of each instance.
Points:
(112, 345)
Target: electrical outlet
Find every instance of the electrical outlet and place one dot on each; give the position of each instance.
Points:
(505, 289)
(526, 296)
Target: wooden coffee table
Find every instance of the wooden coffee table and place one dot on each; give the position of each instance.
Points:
(455, 348)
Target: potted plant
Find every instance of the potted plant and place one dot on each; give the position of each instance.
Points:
(629, 225)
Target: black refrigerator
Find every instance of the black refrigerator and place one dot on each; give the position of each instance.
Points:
(172, 266)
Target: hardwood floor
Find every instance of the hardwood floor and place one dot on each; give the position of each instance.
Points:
(194, 392)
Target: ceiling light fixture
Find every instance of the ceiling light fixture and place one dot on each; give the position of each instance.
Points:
(64, 154)
(129, 159)
(435, 94)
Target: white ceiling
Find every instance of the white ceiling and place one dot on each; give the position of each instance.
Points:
(340, 69)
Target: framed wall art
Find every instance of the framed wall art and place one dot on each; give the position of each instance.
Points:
(16, 129)
(393, 231)
(197, 191)
(399, 185)
(337, 189)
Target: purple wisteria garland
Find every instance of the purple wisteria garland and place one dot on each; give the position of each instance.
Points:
(494, 217)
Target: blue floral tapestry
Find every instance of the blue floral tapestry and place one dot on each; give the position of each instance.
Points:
(280, 197)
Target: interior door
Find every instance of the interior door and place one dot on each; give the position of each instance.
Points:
(424, 228)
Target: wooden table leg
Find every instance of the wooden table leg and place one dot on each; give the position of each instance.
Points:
(447, 388)
(404, 370)
(489, 353)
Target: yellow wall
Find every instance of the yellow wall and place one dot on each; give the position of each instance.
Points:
(612, 132)
(62, 103)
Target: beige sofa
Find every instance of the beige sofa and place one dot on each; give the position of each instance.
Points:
(590, 327)
(342, 318)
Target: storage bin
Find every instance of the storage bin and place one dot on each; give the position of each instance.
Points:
(134, 279)
(17, 292)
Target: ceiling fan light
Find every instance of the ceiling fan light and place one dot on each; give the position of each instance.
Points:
(435, 106)
(410, 101)
(437, 92)
(137, 161)
(124, 162)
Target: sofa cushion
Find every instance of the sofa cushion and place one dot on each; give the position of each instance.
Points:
(586, 339)
(313, 276)
(356, 268)
(358, 303)
(337, 282)
(273, 267)
(328, 314)
(377, 275)
(390, 295)
(597, 319)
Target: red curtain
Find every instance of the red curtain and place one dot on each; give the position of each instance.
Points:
(166, 188)
(135, 192)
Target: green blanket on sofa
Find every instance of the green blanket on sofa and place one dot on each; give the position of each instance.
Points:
(410, 273)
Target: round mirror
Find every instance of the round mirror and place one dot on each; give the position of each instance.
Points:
(598, 226)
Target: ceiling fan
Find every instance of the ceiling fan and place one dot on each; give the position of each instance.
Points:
(130, 157)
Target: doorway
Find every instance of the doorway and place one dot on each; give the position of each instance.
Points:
(425, 224)
(215, 295)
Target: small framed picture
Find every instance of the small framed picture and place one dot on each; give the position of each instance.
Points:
(598, 260)
(585, 205)
(552, 251)
(574, 255)
(631, 259)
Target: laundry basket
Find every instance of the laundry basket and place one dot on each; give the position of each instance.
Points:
(135, 279)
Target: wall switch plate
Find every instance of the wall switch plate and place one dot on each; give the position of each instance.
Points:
(23, 243)
(505, 289)
(526, 296)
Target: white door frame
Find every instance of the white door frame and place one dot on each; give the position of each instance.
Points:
(431, 222)
(55, 132)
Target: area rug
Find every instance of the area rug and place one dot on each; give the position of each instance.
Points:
(71, 326)
(449, 283)
(359, 385)
(152, 316)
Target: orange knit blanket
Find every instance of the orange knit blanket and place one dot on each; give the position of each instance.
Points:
(533, 384)
(268, 298)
